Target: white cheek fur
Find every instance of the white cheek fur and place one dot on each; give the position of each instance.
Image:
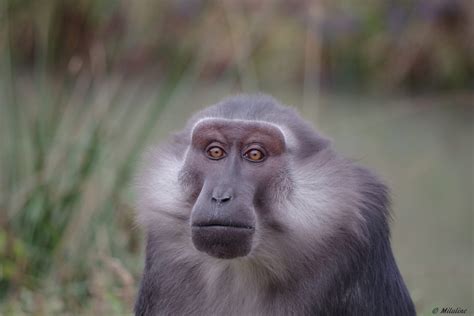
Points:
(158, 190)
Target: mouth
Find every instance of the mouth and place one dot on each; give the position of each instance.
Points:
(223, 225)
(223, 240)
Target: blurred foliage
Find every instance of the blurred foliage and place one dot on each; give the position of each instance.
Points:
(84, 83)
(382, 44)
(64, 171)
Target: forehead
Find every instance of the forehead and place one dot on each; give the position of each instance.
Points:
(237, 130)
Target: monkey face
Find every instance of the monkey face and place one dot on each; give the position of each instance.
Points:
(228, 169)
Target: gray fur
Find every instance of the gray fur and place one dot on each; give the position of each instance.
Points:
(321, 244)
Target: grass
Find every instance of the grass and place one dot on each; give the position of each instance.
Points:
(67, 164)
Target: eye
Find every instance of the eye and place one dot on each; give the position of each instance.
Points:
(254, 155)
(215, 153)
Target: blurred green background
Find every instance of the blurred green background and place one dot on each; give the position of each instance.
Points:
(86, 85)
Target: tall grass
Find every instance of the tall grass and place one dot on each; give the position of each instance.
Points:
(67, 153)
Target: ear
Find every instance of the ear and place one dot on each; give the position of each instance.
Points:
(310, 145)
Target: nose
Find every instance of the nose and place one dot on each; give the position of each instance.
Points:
(222, 195)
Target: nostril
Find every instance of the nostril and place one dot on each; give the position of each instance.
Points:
(221, 199)
(225, 199)
(221, 196)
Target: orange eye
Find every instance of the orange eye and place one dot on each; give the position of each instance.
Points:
(215, 152)
(254, 155)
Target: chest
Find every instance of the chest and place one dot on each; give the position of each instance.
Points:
(232, 296)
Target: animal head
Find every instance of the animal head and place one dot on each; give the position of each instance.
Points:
(248, 179)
